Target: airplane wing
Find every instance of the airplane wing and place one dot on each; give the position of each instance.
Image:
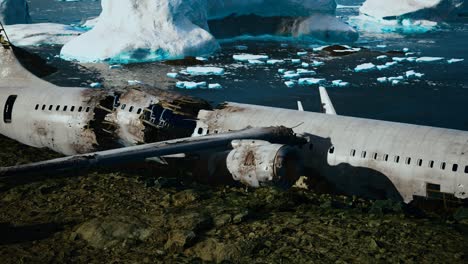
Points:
(280, 135)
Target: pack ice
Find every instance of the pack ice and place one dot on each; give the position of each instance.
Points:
(14, 12)
(149, 30)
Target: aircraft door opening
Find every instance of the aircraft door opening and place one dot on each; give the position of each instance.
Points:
(8, 110)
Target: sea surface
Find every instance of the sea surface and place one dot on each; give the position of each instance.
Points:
(440, 98)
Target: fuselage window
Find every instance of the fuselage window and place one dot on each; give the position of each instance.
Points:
(57, 108)
(37, 107)
(200, 131)
(331, 150)
(50, 107)
(72, 108)
(455, 167)
(43, 107)
(65, 108)
(466, 169)
(431, 164)
(363, 154)
(123, 106)
(385, 157)
(130, 109)
(420, 162)
(397, 159)
(139, 111)
(408, 161)
(80, 109)
(87, 109)
(8, 110)
(376, 156)
(443, 165)
(353, 152)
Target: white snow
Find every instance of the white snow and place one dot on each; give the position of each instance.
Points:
(41, 34)
(429, 59)
(215, 86)
(311, 81)
(197, 71)
(365, 67)
(14, 12)
(172, 75)
(247, 57)
(454, 61)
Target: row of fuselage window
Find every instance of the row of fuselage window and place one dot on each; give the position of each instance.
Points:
(397, 159)
(79, 109)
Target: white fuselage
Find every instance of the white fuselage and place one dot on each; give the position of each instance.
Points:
(360, 156)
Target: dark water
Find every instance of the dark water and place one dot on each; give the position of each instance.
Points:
(439, 99)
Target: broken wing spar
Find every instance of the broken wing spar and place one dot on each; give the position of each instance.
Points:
(280, 135)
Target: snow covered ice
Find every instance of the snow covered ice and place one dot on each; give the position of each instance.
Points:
(14, 12)
(190, 85)
(429, 59)
(42, 34)
(454, 61)
(247, 57)
(215, 86)
(311, 81)
(272, 62)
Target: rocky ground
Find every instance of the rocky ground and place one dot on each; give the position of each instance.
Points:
(129, 218)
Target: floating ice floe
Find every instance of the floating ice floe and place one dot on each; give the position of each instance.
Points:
(382, 79)
(134, 82)
(172, 75)
(302, 53)
(381, 46)
(201, 59)
(317, 63)
(291, 75)
(340, 83)
(304, 72)
(349, 49)
(190, 85)
(290, 84)
(365, 67)
(454, 61)
(95, 85)
(311, 81)
(395, 82)
(284, 45)
(413, 74)
(257, 62)
(429, 59)
(305, 65)
(405, 50)
(197, 71)
(247, 57)
(382, 57)
(215, 86)
(397, 78)
(320, 48)
(272, 62)
(281, 71)
(386, 65)
(296, 61)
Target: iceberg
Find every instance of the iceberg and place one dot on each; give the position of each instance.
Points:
(290, 84)
(42, 34)
(198, 71)
(14, 12)
(365, 67)
(215, 86)
(151, 30)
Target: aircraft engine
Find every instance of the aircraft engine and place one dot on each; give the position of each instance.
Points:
(257, 163)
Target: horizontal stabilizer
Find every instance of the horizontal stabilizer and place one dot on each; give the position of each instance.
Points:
(327, 105)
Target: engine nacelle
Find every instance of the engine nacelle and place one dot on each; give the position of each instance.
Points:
(257, 163)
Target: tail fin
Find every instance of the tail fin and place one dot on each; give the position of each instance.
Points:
(12, 73)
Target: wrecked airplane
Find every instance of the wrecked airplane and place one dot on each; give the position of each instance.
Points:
(256, 145)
